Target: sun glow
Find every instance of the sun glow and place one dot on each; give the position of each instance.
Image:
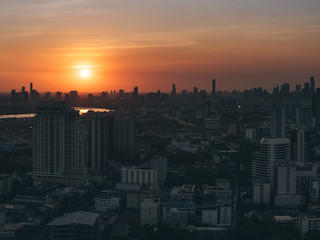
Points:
(84, 73)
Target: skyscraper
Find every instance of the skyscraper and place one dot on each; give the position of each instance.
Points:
(124, 138)
(135, 93)
(278, 118)
(174, 91)
(213, 90)
(58, 145)
(301, 145)
(195, 91)
(270, 152)
(312, 86)
(98, 138)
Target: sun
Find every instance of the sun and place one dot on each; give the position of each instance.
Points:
(84, 73)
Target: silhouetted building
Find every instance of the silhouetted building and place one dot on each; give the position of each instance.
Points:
(301, 146)
(278, 118)
(312, 85)
(135, 93)
(124, 138)
(58, 145)
(213, 89)
(98, 138)
(174, 91)
(195, 91)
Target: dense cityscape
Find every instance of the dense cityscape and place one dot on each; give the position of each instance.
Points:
(201, 164)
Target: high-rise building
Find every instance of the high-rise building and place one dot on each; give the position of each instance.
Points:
(316, 107)
(135, 93)
(31, 88)
(124, 138)
(278, 121)
(213, 90)
(271, 151)
(195, 91)
(98, 142)
(301, 145)
(312, 85)
(58, 145)
(174, 91)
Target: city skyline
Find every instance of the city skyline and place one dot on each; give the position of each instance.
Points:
(98, 45)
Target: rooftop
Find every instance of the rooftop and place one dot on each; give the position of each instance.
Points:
(85, 218)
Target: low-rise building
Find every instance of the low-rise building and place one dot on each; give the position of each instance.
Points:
(76, 225)
(149, 211)
(179, 214)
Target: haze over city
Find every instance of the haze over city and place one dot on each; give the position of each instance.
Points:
(96, 45)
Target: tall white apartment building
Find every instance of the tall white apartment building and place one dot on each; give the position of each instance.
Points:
(271, 151)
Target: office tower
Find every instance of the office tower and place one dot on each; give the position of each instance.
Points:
(174, 91)
(135, 93)
(213, 90)
(124, 139)
(285, 90)
(97, 142)
(195, 91)
(298, 90)
(184, 93)
(312, 85)
(301, 146)
(270, 151)
(72, 97)
(58, 145)
(278, 119)
(316, 107)
(121, 92)
(306, 90)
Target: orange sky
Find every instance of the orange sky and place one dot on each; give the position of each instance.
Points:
(151, 44)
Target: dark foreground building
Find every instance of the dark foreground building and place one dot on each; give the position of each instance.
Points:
(73, 226)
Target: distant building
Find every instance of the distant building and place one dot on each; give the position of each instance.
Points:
(139, 175)
(109, 200)
(5, 183)
(217, 215)
(278, 121)
(185, 193)
(261, 192)
(160, 163)
(212, 125)
(179, 214)
(213, 88)
(149, 211)
(124, 139)
(301, 146)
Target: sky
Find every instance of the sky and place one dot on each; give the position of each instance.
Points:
(152, 44)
